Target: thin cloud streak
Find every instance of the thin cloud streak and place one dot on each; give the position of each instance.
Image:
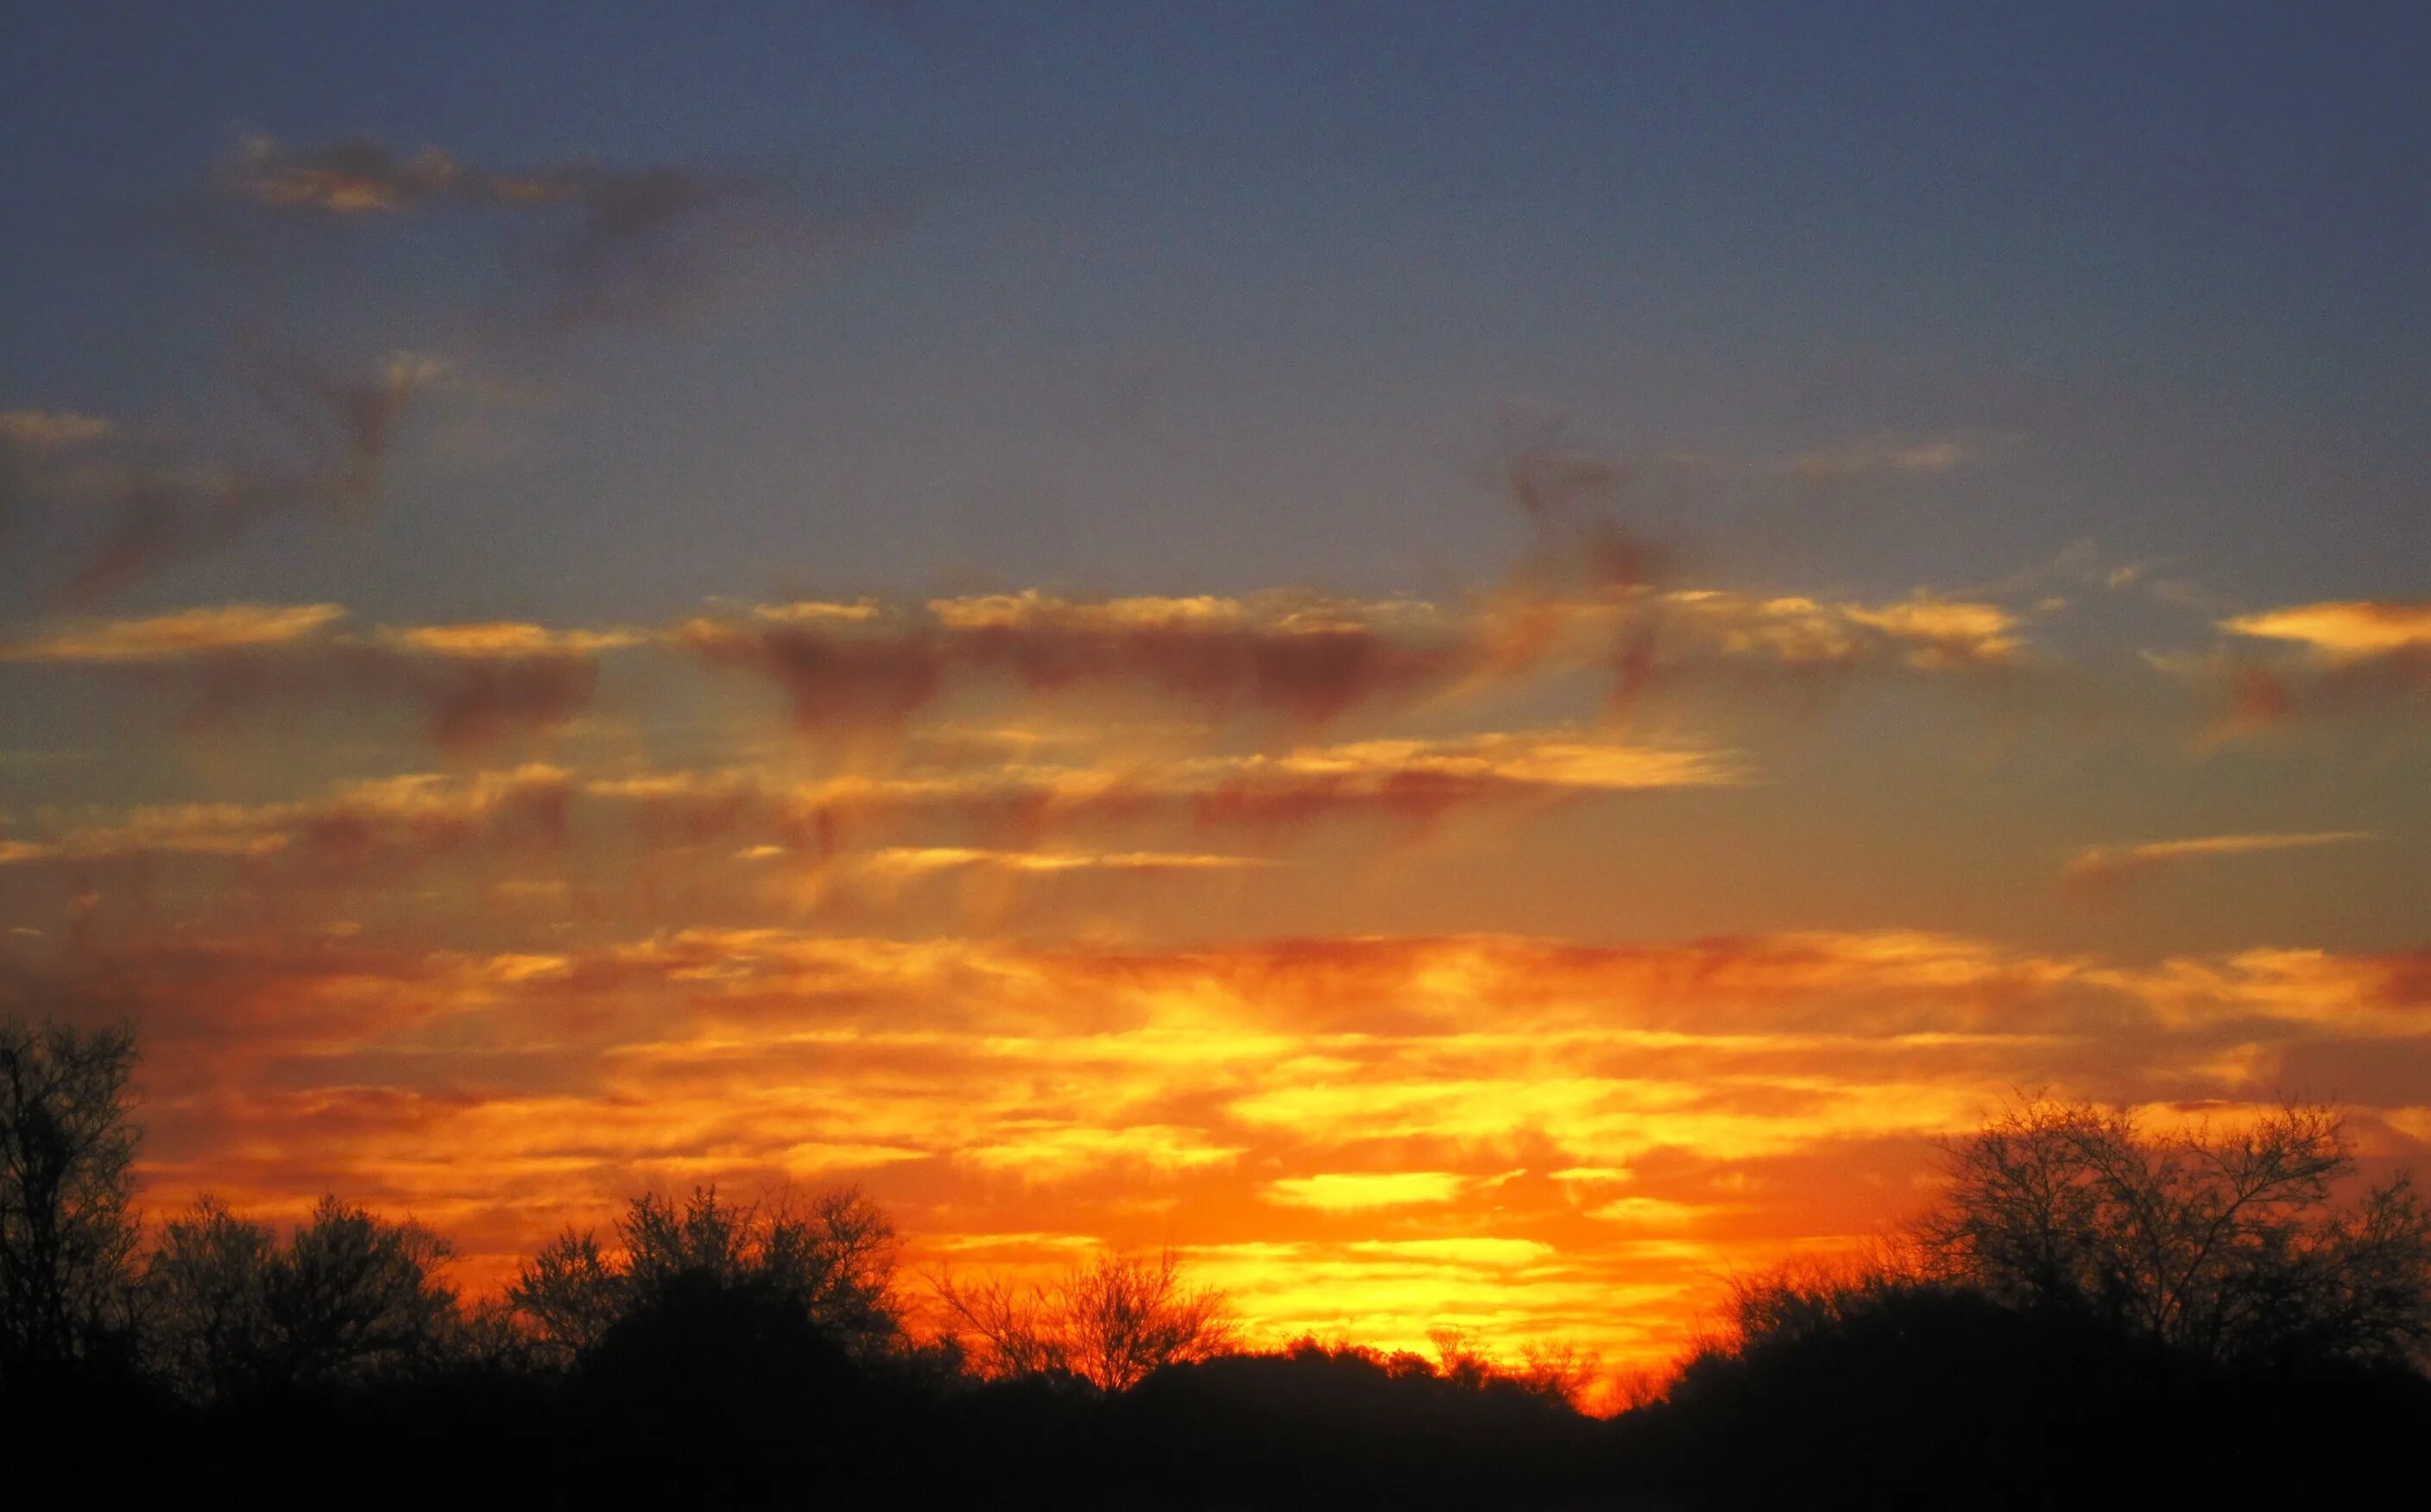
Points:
(2104, 866)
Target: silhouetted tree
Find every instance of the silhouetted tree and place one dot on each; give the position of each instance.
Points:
(67, 1242)
(1125, 1315)
(571, 1293)
(2215, 1243)
(348, 1297)
(1109, 1323)
(1557, 1371)
(831, 1255)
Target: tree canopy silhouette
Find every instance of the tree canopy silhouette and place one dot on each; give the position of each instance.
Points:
(67, 1240)
(2218, 1243)
(234, 1312)
(830, 1256)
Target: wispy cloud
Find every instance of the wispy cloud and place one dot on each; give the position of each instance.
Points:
(472, 684)
(180, 636)
(2350, 659)
(321, 442)
(1363, 1192)
(1889, 455)
(2341, 631)
(632, 243)
(2104, 865)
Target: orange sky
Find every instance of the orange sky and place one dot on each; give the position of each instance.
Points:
(1476, 669)
(1190, 921)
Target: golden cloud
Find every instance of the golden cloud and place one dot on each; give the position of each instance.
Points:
(189, 633)
(2341, 630)
(1357, 1131)
(1361, 1191)
(2104, 864)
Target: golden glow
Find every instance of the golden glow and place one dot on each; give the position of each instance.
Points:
(2350, 628)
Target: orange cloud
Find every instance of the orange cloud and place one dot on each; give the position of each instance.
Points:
(189, 633)
(411, 817)
(2342, 630)
(1404, 779)
(472, 684)
(2099, 865)
(1380, 1135)
(2358, 657)
(1925, 633)
(1361, 1191)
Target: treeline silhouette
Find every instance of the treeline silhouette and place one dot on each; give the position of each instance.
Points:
(2090, 1312)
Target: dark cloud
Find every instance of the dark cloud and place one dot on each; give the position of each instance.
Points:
(320, 443)
(465, 703)
(1295, 657)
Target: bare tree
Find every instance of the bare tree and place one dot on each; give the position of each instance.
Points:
(1111, 1321)
(1004, 1328)
(2218, 1242)
(67, 1150)
(1557, 1371)
(1128, 1315)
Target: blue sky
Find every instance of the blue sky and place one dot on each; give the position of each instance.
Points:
(1115, 292)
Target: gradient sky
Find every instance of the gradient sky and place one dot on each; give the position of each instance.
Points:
(1478, 663)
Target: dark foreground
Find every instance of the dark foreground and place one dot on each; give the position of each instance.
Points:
(1945, 1403)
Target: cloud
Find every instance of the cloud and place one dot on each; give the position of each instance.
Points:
(472, 684)
(1407, 780)
(353, 176)
(180, 635)
(631, 242)
(1308, 659)
(1353, 1126)
(2341, 631)
(322, 442)
(1301, 656)
(409, 818)
(1886, 455)
(901, 860)
(508, 639)
(2103, 865)
(853, 827)
(2351, 659)
(1351, 1193)
(1925, 633)
(41, 431)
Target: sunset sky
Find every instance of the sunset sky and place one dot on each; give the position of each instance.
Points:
(1476, 663)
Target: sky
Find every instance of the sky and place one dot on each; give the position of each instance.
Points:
(1478, 665)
